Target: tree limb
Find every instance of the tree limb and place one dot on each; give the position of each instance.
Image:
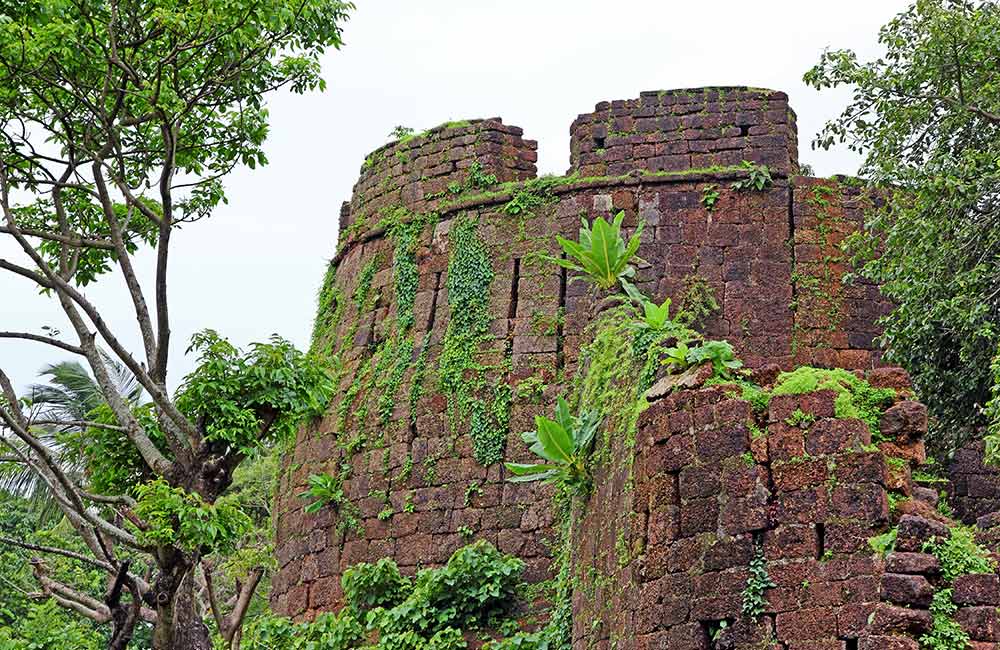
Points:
(68, 347)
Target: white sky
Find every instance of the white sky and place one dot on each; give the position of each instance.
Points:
(255, 267)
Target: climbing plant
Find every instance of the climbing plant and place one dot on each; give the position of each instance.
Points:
(462, 376)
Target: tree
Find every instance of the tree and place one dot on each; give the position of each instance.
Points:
(120, 121)
(926, 115)
(29, 620)
(62, 407)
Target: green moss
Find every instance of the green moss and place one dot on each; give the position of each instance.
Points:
(697, 303)
(856, 398)
(329, 308)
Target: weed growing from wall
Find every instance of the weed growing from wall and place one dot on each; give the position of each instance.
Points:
(754, 601)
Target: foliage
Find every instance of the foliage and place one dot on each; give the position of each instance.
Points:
(856, 398)
(758, 178)
(754, 600)
(330, 306)
(960, 554)
(26, 622)
(710, 196)
(676, 357)
(601, 255)
(234, 392)
(758, 397)
(992, 438)
(183, 519)
(47, 626)
(530, 389)
(565, 443)
(460, 373)
(884, 543)
(719, 353)
(477, 585)
(800, 418)
(945, 633)
(404, 271)
(327, 632)
(476, 180)
(114, 465)
(324, 490)
(276, 45)
(654, 317)
(121, 121)
(698, 302)
(926, 115)
(367, 586)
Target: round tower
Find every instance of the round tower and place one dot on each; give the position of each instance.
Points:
(449, 330)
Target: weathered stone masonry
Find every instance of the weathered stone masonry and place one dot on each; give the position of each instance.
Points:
(771, 258)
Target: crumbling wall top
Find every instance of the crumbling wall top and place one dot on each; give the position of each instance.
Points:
(677, 130)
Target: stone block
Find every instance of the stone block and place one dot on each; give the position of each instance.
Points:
(907, 590)
(913, 564)
(977, 589)
(914, 531)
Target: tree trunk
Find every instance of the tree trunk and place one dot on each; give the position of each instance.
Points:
(179, 625)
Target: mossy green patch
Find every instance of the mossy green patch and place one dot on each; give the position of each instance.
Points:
(856, 398)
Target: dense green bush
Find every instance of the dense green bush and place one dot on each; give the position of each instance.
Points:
(474, 589)
(960, 554)
(478, 582)
(367, 586)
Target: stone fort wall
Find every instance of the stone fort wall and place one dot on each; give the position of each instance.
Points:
(409, 447)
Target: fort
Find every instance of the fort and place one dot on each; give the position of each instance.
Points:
(449, 329)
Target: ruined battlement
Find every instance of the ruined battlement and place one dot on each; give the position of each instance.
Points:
(679, 130)
(409, 171)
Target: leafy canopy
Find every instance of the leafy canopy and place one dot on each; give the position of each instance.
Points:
(194, 75)
(238, 395)
(178, 518)
(926, 115)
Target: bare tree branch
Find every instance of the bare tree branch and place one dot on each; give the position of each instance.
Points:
(48, 340)
(51, 550)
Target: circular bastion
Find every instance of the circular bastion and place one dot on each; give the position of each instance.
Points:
(449, 329)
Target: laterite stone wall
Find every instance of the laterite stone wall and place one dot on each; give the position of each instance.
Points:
(713, 484)
(408, 454)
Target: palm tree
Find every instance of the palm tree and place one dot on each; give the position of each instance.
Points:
(62, 408)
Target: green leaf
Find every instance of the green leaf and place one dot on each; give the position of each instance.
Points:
(554, 440)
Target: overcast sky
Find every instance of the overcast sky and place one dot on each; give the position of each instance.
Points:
(255, 268)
